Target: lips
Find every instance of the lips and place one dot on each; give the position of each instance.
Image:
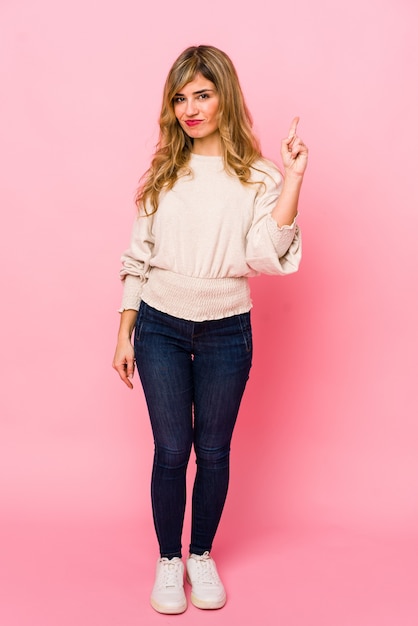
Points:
(191, 123)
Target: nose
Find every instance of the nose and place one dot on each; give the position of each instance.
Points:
(191, 107)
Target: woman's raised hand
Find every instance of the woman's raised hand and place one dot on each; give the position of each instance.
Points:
(294, 152)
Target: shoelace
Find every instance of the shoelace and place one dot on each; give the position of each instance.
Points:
(170, 574)
(205, 570)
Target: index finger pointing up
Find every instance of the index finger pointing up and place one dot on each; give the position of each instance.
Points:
(293, 127)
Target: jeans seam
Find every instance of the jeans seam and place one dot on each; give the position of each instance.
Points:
(246, 332)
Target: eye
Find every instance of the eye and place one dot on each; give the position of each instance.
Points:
(178, 99)
(203, 96)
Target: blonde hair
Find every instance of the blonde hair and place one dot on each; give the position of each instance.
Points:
(239, 145)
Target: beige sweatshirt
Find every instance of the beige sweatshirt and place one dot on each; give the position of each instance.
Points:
(192, 258)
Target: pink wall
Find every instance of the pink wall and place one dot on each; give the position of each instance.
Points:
(330, 413)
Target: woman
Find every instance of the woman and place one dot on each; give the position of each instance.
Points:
(212, 212)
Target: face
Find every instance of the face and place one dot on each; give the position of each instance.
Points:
(196, 108)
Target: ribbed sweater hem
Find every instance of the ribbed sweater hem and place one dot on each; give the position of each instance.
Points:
(195, 298)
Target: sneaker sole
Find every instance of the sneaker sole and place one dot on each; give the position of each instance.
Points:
(205, 604)
(168, 610)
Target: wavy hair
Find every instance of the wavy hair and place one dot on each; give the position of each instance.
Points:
(240, 148)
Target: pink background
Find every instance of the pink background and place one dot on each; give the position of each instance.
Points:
(322, 530)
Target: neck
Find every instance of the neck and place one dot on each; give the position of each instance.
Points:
(208, 146)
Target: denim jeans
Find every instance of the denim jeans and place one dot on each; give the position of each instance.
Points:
(193, 375)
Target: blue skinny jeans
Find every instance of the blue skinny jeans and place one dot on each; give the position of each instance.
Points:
(193, 375)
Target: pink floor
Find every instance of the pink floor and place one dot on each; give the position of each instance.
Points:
(57, 575)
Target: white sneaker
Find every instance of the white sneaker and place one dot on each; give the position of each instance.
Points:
(168, 595)
(208, 591)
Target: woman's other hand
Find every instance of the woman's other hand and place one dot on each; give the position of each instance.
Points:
(124, 361)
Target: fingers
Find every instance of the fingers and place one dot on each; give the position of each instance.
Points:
(293, 144)
(125, 371)
(292, 136)
(293, 127)
(297, 148)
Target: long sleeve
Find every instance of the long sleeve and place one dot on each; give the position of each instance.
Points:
(136, 262)
(271, 249)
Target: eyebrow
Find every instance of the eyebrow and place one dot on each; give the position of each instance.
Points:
(196, 93)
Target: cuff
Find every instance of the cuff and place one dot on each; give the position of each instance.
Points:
(132, 290)
(281, 236)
